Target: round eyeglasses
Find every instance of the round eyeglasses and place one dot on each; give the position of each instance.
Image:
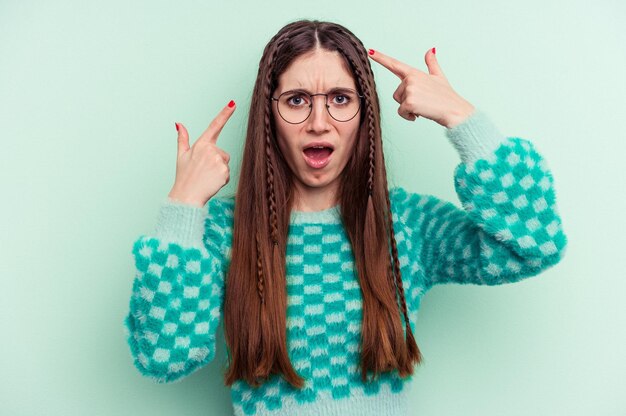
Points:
(295, 106)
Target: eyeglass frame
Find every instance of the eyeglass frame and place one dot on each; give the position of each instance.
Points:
(325, 104)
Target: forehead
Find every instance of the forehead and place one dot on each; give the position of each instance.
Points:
(317, 71)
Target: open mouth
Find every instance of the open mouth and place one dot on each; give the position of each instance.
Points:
(318, 152)
(317, 156)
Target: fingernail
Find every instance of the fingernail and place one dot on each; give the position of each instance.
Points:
(176, 126)
(371, 51)
(433, 49)
(231, 104)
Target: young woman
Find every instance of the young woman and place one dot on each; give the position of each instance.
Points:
(317, 267)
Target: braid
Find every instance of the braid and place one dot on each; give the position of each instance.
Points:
(259, 270)
(394, 264)
(396, 267)
(268, 152)
(414, 353)
(280, 40)
(369, 112)
(371, 121)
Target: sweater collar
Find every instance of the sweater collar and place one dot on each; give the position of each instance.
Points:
(330, 215)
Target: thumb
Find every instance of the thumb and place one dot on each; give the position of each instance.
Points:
(432, 64)
(183, 139)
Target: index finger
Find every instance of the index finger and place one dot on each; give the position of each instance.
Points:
(399, 68)
(216, 126)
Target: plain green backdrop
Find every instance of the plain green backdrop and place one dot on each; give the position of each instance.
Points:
(90, 91)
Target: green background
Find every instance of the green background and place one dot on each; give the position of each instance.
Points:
(90, 91)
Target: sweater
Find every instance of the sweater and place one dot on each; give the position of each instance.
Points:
(508, 229)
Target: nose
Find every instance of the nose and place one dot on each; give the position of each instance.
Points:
(319, 118)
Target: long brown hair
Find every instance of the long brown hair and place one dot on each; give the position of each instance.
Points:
(255, 301)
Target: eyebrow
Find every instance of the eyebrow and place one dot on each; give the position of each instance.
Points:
(309, 92)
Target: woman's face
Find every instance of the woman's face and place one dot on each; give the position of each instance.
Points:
(316, 171)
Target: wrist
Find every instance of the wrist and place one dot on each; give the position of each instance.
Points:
(181, 223)
(476, 138)
(459, 115)
(175, 196)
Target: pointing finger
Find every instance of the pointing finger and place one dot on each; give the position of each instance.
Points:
(216, 126)
(397, 67)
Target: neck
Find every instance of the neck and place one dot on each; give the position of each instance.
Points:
(311, 199)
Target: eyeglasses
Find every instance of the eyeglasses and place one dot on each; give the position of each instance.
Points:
(295, 106)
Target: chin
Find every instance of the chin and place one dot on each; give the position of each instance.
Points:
(312, 181)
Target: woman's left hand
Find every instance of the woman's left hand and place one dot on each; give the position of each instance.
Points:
(425, 94)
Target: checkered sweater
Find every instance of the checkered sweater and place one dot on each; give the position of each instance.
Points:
(508, 230)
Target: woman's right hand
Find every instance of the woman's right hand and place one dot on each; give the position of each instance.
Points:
(202, 170)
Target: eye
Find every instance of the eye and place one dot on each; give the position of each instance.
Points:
(296, 100)
(341, 99)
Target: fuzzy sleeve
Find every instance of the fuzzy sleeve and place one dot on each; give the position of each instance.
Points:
(177, 292)
(509, 227)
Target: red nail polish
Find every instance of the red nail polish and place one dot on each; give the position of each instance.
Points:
(371, 51)
(434, 50)
(231, 104)
(176, 126)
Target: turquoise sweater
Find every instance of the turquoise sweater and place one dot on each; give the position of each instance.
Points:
(509, 229)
